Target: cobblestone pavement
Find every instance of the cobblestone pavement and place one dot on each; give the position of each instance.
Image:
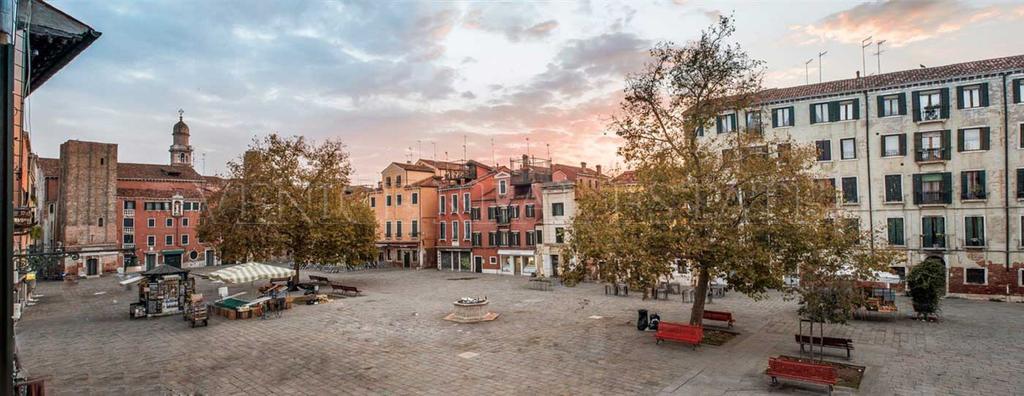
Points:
(393, 341)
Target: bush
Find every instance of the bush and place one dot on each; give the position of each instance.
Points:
(927, 283)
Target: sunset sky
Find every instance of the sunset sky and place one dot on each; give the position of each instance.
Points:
(395, 79)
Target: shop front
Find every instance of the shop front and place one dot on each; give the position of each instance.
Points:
(455, 259)
(517, 262)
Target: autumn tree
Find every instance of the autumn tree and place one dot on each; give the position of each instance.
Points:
(742, 205)
(285, 197)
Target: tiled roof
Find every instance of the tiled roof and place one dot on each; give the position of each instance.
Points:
(428, 182)
(50, 167)
(158, 193)
(903, 77)
(627, 177)
(413, 167)
(157, 172)
(443, 165)
(572, 172)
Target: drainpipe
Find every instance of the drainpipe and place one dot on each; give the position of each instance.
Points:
(1006, 170)
(867, 154)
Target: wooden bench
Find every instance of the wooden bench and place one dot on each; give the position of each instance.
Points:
(828, 342)
(821, 374)
(678, 332)
(339, 289)
(319, 279)
(719, 316)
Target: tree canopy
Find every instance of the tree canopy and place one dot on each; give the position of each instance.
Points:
(739, 204)
(285, 197)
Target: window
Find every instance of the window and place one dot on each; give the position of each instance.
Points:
(491, 239)
(442, 205)
(824, 148)
(169, 240)
(972, 96)
(932, 188)
(974, 231)
(415, 229)
(184, 239)
(559, 235)
(398, 200)
(972, 185)
(493, 260)
(889, 106)
(753, 120)
(848, 149)
(895, 230)
(933, 232)
(444, 232)
(558, 209)
(373, 202)
(502, 187)
(1020, 183)
(184, 221)
(894, 145)
(387, 200)
(972, 139)
(465, 203)
(415, 198)
(893, 188)
(726, 123)
(387, 181)
(847, 110)
(455, 231)
(151, 222)
(455, 203)
(468, 230)
(129, 204)
(1018, 88)
(128, 222)
(930, 105)
(99, 222)
(387, 229)
(932, 146)
(819, 113)
(169, 223)
(398, 180)
(151, 240)
(849, 190)
(529, 210)
(782, 117)
(398, 229)
(975, 276)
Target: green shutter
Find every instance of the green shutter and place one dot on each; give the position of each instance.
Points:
(959, 97)
(718, 124)
(945, 145)
(917, 146)
(984, 189)
(927, 231)
(903, 103)
(856, 109)
(1020, 183)
(915, 99)
(959, 140)
(944, 109)
(881, 106)
(792, 116)
(833, 111)
(1016, 90)
(917, 189)
(985, 138)
(947, 187)
(814, 119)
(903, 144)
(963, 185)
(984, 94)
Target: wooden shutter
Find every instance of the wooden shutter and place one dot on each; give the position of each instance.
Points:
(981, 181)
(947, 187)
(792, 116)
(856, 109)
(1016, 90)
(984, 94)
(917, 189)
(718, 124)
(833, 111)
(1020, 183)
(985, 138)
(963, 185)
(915, 100)
(814, 118)
(917, 145)
(927, 231)
(775, 118)
(945, 145)
(959, 97)
(903, 103)
(881, 106)
(944, 109)
(959, 140)
(903, 144)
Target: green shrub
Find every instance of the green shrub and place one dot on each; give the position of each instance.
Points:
(927, 283)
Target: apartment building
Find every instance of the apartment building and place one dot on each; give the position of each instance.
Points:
(934, 156)
(559, 207)
(405, 204)
(459, 210)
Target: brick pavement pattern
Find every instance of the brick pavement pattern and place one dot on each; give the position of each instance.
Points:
(393, 341)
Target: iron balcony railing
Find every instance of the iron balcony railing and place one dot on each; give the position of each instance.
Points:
(931, 113)
(934, 242)
(129, 213)
(931, 154)
(933, 197)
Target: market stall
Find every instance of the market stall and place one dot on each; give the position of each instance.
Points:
(162, 291)
(274, 297)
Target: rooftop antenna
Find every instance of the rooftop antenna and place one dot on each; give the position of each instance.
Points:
(863, 59)
(446, 156)
(494, 158)
(204, 163)
(434, 158)
(820, 54)
(464, 155)
(419, 148)
(408, 155)
(807, 79)
(548, 145)
(527, 145)
(878, 54)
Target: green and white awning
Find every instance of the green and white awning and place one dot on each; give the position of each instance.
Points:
(249, 272)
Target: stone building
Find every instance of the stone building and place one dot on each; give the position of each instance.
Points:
(559, 207)
(933, 156)
(104, 214)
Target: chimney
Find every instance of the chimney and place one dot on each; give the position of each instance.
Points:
(526, 161)
(598, 167)
(858, 73)
(583, 165)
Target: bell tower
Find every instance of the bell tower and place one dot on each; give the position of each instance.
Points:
(181, 151)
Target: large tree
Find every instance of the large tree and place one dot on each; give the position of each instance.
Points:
(285, 197)
(744, 206)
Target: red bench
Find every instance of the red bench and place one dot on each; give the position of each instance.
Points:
(821, 374)
(686, 334)
(720, 316)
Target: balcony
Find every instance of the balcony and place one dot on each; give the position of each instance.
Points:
(975, 243)
(129, 213)
(128, 246)
(933, 197)
(933, 242)
(931, 113)
(24, 218)
(931, 154)
(129, 230)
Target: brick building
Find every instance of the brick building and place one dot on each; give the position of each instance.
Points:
(107, 214)
(459, 210)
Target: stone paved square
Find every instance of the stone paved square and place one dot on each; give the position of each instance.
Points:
(577, 340)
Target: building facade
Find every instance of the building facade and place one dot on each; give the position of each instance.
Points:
(405, 204)
(460, 198)
(932, 156)
(559, 208)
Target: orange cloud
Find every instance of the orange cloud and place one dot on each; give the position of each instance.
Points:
(898, 22)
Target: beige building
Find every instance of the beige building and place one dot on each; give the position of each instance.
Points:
(405, 203)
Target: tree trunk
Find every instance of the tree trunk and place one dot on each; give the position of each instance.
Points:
(699, 296)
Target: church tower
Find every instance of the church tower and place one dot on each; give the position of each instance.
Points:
(181, 151)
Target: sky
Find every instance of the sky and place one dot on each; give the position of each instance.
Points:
(399, 80)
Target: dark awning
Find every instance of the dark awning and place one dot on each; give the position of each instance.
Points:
(55, 38)
(165, 269)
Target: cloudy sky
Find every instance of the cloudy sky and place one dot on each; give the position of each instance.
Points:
(396, 79)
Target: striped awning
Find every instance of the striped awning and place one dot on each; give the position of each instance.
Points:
(249, 272)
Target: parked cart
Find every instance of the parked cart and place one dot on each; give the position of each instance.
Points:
(196, 310)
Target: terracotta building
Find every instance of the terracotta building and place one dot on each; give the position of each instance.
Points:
(464, 188)
(405, 204)
(105, 214)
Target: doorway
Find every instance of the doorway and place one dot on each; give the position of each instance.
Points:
(92, 267)
(554, 265)
(150, 261)
(406, 259)
(210, 258)
(478, 264)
